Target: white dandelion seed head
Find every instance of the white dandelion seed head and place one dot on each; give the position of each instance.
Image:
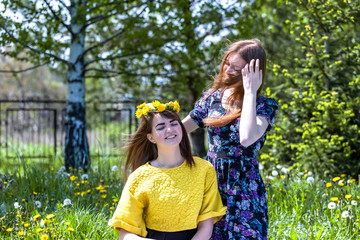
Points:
(114, 168)
(309, 173)
(349, 181)
(285, 170)
(84, 177)
(95, 168)
(353, 202)
(341, 181)
(345, 214)
(67, 202)
(42, 223)
(331, 205)
(325, 195)
(270, 178)
(62, 169)
(38, 204)
(278, 166)
(310, 180)
(274, 173)
(17, 205)
(261, 166)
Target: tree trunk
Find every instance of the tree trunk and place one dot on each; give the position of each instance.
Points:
(76, 143)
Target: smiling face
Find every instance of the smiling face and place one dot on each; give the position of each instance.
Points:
(165, 132)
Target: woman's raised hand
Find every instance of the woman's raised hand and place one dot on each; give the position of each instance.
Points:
(252, 76)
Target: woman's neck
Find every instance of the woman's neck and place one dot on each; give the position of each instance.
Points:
(168, 158)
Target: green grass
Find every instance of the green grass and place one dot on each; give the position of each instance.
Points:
(297, 209)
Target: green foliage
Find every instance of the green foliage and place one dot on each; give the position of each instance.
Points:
(318, 125)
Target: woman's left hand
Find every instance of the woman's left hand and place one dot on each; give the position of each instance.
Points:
(252, 76)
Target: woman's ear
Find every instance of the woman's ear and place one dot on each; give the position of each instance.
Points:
(150, 138)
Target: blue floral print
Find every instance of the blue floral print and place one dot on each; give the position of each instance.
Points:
(240, 184)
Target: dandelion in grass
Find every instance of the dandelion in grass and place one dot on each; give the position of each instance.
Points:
(17, 205)
(9, 230)
(310, 180)
(114, 168)
(278, 166)
(44, 237)
(348, 196)
(331, 205)
(67, 202)
(95, 168)
(353, 202)
(334, 199)
(38, 204)
(84, 177)
(345, 214)
(335, 179)
(35, 218)
(26, 225)
(67, 223)
(285, 170)
(274, 173)
(328, 185)
(73, 178)
(310, 173)
(261, 166)
(42, 223)
(21, 233)
(50, 216)
(39, 230)
(70, 229)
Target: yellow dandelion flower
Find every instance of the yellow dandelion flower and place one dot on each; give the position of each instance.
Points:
(328, 185)
(335, 179)
(100, 187)
(70, 229)
(45, 237)
(171, 104)
(5, 182)
(73, 178)
(9, 230)
(141, 105)
(138, 113)
(176, 107)
(343, 175)
(89, 191)
(50, 216)
(341, 184)
(103, 196)
(39, 230)
(155, 103)
(67, 223)
(21, 233)
(161, 107)
(35, 193)
(23, 200)
(116, 200)
(334, 199)
(348, 196)
(26, 225)
(83, 193)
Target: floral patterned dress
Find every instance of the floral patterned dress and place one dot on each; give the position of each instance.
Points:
(240, 184)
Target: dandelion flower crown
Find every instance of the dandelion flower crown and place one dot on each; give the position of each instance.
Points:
(156, 106)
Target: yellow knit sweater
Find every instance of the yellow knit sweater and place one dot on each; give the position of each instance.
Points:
(168, 200)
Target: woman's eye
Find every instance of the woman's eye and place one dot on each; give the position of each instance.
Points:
(160, 128)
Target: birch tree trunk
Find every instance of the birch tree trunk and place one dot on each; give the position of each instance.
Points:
(76, 144)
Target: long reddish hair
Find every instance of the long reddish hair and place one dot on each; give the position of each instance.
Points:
(248, 50)
(140, 150)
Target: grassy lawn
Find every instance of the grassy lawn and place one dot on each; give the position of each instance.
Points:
(44, 202)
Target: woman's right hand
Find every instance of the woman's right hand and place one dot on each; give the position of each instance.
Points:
(252, 76)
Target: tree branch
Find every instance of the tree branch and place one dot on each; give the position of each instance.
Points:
(32, 48)
(104, 41)
(23, 70)
(104, 5)
(58, 18)
(115, 73)
(122, 56)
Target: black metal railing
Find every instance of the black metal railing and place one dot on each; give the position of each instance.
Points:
(35, 128)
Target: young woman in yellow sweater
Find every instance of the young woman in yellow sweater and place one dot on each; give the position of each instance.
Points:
(170, 194)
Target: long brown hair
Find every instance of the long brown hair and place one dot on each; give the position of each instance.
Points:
(248, 50)
(140, 150)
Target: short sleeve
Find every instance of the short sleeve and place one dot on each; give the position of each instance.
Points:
(212, 205)
(200, 110)
(129, 214)
(267, 107)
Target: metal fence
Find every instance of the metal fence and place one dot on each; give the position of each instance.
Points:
(35, 128)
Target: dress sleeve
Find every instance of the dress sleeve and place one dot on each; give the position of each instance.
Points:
(267, 107)
(212, 205)
(129, 214)
(200, 110)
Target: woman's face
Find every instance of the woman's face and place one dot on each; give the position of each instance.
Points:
(165, 132)
(234, 63)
